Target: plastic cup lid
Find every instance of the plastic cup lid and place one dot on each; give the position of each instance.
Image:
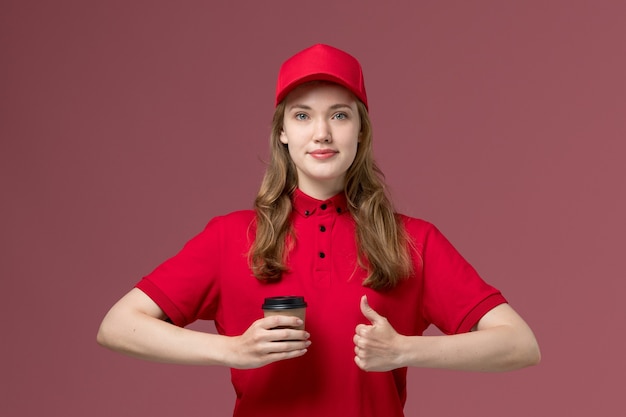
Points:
(283, 303)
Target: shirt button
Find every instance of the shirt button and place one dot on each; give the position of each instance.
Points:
(323, 206)
(322, 228)
(306, 212)
(322, 255)
(338, 209)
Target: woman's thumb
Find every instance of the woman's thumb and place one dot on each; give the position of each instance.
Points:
(368, 311)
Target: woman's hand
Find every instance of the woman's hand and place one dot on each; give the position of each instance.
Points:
(135, 326)
(268, 340)
(501, 341)
(376, 345)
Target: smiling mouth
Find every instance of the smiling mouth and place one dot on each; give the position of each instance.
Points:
(323, 153)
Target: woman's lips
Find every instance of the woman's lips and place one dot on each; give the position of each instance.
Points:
(322, 153)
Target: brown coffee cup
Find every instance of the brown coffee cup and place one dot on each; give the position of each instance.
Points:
(286, 306)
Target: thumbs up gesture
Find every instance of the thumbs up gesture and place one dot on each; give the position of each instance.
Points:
(377, 346)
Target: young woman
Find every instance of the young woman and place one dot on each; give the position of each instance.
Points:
(322, 228)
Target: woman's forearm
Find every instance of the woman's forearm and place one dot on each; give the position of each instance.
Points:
(495, 349)
(135, 326)
(137, 333)
(501, 341)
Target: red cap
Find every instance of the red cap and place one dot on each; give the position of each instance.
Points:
(321, 62)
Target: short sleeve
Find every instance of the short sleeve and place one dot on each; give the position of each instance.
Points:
(455, 297)
(186, 287)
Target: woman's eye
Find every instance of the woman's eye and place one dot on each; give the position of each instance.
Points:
(340, 116)
(300, 116)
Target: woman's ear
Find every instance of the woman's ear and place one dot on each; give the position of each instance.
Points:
(283, 137)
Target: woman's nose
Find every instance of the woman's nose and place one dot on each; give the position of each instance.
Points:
(322, 132)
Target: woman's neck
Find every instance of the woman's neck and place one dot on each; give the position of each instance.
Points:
(320, 191)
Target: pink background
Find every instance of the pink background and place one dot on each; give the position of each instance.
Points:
(126, 125)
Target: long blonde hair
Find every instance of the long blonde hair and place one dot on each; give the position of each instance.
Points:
(383, 247)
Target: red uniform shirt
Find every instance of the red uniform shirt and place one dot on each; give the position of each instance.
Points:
(210, 279)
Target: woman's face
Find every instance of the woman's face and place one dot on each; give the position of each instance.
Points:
(321, 128)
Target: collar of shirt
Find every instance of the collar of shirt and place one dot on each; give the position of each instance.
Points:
(306, 205)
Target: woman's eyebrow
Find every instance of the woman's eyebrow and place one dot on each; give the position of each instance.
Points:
(340, 106)
(333, 107)
(299, 106)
